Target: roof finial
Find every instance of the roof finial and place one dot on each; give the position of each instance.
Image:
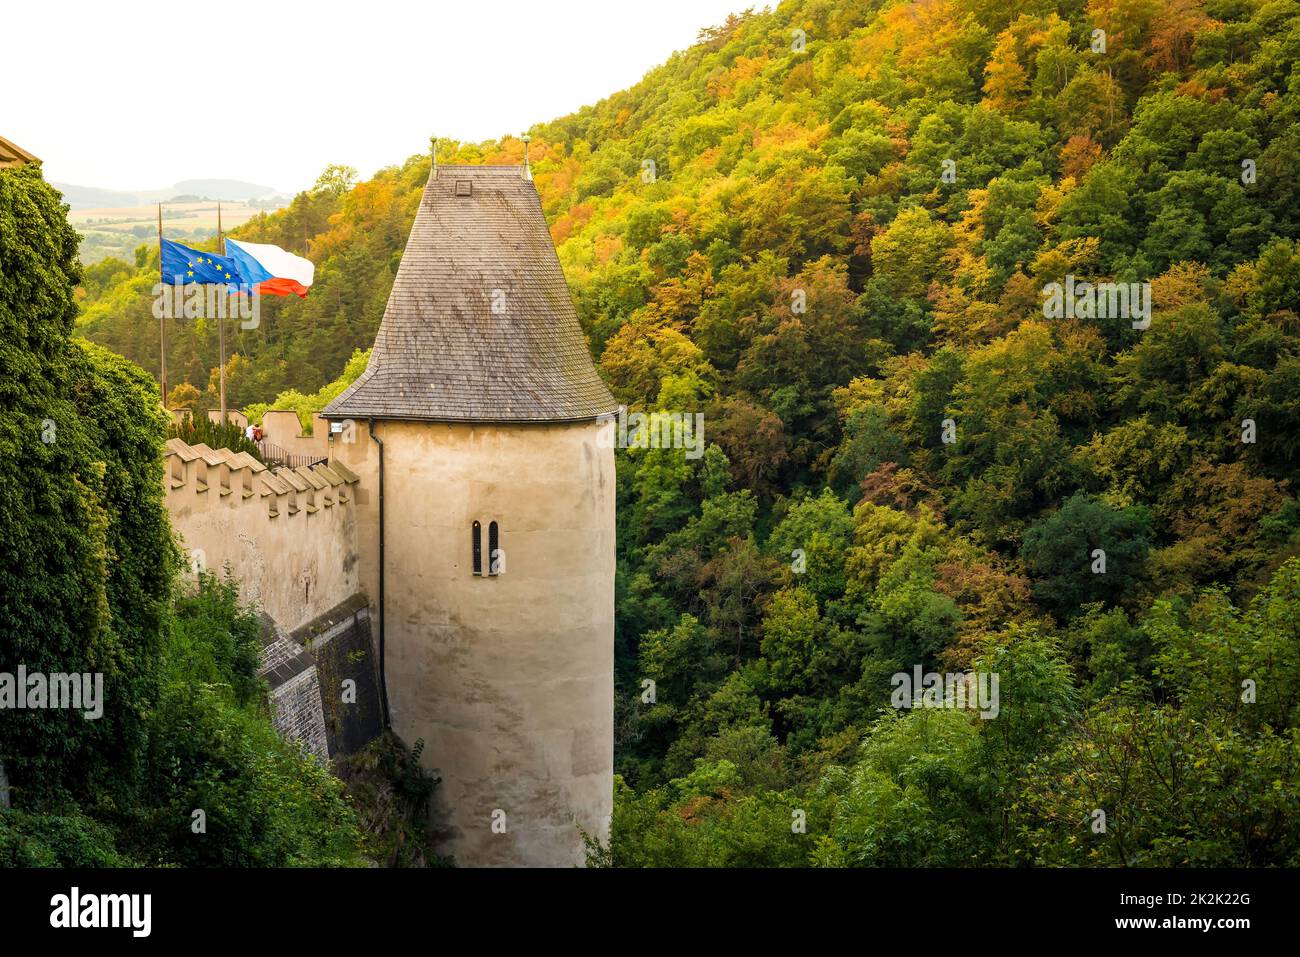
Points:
(528, 170)
(433, 151)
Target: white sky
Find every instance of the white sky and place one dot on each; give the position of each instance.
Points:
(147, 93)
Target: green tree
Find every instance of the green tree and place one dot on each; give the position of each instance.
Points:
(1086, 551)
(85, 543)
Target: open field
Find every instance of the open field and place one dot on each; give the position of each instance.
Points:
(116, 231)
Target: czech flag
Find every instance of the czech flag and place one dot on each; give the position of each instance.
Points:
(270, 270)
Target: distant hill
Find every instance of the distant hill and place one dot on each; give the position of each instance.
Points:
(94, 197)
(83, 197)
(214, 189)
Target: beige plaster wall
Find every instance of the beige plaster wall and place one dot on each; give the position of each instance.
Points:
(507, 679)
(297, 564)
(283, 428)
(232, 415)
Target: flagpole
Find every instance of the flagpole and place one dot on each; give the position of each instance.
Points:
(162, 323)
(221, 324)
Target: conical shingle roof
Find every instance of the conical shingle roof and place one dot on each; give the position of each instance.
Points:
(479, 326)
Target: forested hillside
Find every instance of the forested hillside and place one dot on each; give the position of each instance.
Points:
(832, 229)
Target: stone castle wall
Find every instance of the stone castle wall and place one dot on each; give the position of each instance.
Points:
(282, 428)
(342, 646)
(287, 535)
(297, 710)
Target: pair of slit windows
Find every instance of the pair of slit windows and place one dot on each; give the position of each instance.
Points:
(495, 561)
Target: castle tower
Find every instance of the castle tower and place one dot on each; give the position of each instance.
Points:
(491, 571)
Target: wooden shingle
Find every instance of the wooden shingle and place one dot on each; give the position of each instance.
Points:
(479, 326)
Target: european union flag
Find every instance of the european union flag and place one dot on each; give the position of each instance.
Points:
(181, 265)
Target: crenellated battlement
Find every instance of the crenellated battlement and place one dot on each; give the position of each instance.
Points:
(200, 478)
(289, 535)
